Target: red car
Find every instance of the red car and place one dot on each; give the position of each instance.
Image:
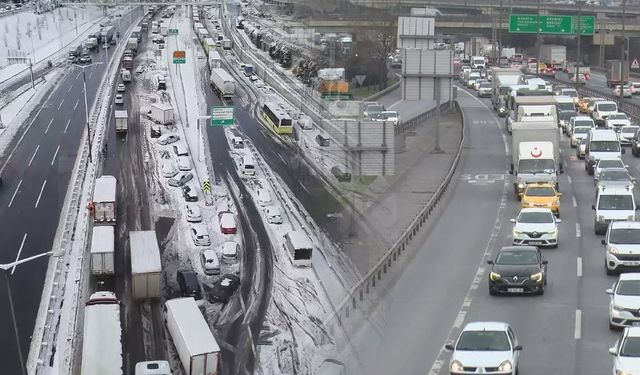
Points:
(227, 222)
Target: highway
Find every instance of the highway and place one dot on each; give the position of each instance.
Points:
(445, 284)
(36, 172)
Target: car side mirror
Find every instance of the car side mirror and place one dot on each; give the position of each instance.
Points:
(558, 220)
(593, 206)
(545, 262)
(609, 291)
(449, 346)
(490, 262)
(637, 206)
(595, 179)
(604, 242)
(613, 351)
(512, 220)
(559, 194)
(518, 347)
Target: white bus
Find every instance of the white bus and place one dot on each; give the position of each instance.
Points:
(299, 248)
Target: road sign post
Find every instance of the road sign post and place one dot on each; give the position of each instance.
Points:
(222, 115)
(172, 31)
(179, 57)
(550, 24)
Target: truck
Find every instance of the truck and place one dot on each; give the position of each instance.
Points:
(122, 118)
(101, 343)
(223, 83)
(570, 69)
(137, 33)
(214, 61)
(161, 113)
(104, 200)
(535, 154)
(107, 34)
(103, 251)
(127, 62)
(477, 62)
(146, 269)
(90, 43)
(508, 53)
(132, 44)
(227, 44)
(197, 348)
(501, 79)
(155, 27)
(617, 71)
(126, 75)
(209, 45)
(553, 56)
(550, 108)
(74, 54)
(164, 30)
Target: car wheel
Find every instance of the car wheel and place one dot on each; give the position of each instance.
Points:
(541, 292)
(612, 327)
(610, 272)
(492, 292)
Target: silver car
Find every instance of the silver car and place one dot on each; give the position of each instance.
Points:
(485, 348)
(626, 352)
(614, 178)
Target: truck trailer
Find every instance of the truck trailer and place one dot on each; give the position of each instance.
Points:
(162, 113)
(104, 200)
(553, 56)
(223, 83)
(617, 71)
(146, 269)
(501, 79)
(122, 118)
(101, 342)
(197, 348)
(103, 251)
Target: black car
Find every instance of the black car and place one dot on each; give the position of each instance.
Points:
(189, 285)
(224, 288)
(518, 269)
(188, 194)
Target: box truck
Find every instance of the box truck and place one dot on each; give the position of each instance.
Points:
(535, 154)
(553, 55)
(162, 113)
(104, 200)
(101, 340)
(223, 83)
(103, 251)
(146, 270)
(215, 61)
(501, 79)
(132, 44)
(617, 72)
(121, 121)
(197, 348)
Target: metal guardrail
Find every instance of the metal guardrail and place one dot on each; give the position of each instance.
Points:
(46, 332)
(359, 292)
(382, 92)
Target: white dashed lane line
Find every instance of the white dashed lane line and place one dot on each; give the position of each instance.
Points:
(54, 155)
(579, 266)
(574, 202)
(577, 334)
(48, 126)
(578, 232)
(40, 195)
(24, 238)
(34, 155)
(67, 126)
(14, 193)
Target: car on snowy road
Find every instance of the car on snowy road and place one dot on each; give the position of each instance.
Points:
(168, 139)
(189, 285)
(194, 215)
(210, 262)
(224, 288)
(199, 235)
(119, 99)
(180, 179)
(122, 87)
(273, 215)
(189, 193)
(168, 170)
(227, 222)
(230, 250)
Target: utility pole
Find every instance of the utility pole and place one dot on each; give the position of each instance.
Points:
(86, 108)
(579, 32)
(623, 62)
(538, 43)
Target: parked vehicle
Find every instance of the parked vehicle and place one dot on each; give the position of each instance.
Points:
(103, 251)
(162, 113)
(146, 268)
(101, 337)
(104, 200)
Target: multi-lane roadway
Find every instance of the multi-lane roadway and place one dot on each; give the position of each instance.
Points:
(36, 171)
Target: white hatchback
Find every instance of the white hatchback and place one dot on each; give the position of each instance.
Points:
(199, 235)
(184, 164)
(168, 170)
(624, 308)
(194, 215)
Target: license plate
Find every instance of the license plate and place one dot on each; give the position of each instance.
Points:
(515, 290)
(635, 324)
(632, 263)
(535, 242)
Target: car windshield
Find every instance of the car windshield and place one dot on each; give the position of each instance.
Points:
(629, 130)
(483, 341)
(583, 123)
(535, 217)
(624, 236)
(610, 164)
(536, 166)
(517, 258)
(604, 146)
(617, 175)
(607, 107)
(540, 191)
(581, 130)
(615, 202)
(618, 116)
(565, 107)
(570, 93)
(630, 347)
(485, 85)
(628, 288)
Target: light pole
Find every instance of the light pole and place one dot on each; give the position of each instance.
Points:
(623, 63)
(579, 33)
(538, 43)
(86, 108)
(11, 267)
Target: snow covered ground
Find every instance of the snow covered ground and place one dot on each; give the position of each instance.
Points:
(28, 34)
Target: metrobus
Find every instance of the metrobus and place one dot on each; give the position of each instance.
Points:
(276, 119)
(299, 248)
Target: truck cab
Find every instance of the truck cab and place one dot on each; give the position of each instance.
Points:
(478, 62)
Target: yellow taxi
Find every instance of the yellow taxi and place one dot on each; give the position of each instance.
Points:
(583, 104)
(541, 195)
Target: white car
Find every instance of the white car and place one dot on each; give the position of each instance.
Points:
(602, 110)
(617, 120)
(263, 197)
(627, 91)
(210, 262)
(168, 170)
(625, 301)
(230, 250)
(122, 87)
(199, 235)
(168, 139)
(622, 247)
(119, 99)
(607, 163)
(184, 164)
(194, 215)
(578, 134)
(627, 133)
(626, 352)
(273, 215)
(490, 347)
(180, 179)
(535, 226)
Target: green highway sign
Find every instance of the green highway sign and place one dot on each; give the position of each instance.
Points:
(550, 24)
(173, 31)
(222, 115)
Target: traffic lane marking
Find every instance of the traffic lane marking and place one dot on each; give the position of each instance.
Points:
(34, 155)
(40, 195)
(577, 334)
(24, 239)
(48, 126)
(579, 266)
(14, 193)
(54, 155)
(66, 127)
(60, 105)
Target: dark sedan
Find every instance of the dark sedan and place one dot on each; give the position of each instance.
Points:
(224, 288)
(518, 269)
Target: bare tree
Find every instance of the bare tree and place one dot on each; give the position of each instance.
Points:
(6, 42)
(18, 35)
(385, 45)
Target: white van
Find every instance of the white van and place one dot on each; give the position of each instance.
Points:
(263, 197)
(614, 204)
(601, 144)
(180, 149)
(247, 166)
(153, 368)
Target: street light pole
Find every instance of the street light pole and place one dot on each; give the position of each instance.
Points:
(623, 64)
(5, 268)
(538, 43)
(579, 32)
(86, 107)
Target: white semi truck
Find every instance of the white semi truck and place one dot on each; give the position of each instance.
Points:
(103, 251)
(223, 83)
(101, 340)
(104, 200)
(146, 269)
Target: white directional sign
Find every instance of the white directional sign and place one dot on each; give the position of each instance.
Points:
(221, 115)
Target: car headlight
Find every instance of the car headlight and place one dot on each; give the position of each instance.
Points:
(517, 232)
(456, 366)
(613, 250)
(617, 308)
(537, 277)
(505, 366)
(620, 372)
(521, 185)
(502, 110)
(495, 276)
(554, 232)
(600, 218)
